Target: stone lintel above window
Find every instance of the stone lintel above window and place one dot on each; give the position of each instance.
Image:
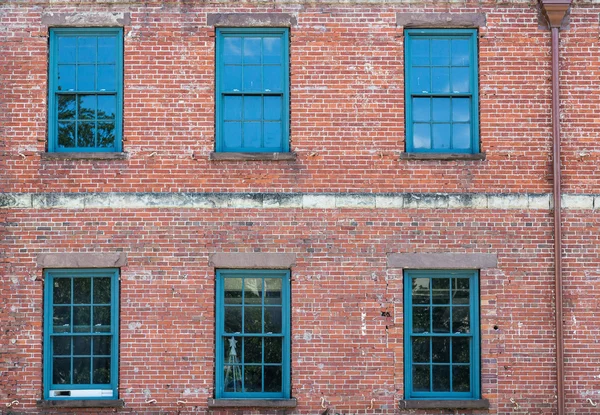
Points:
(86, 19)
(249, 260)
(82, 260)
(440, 20)
(251, 19)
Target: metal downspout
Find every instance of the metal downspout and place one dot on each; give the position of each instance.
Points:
(555, 11)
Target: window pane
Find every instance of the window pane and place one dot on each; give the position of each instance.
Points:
(461, 378)
(460, 350)
(440, 290)
(252, 48)
(86, 75)
(460, 291)
(441, 378)
(440, 52)
(253, 290)
(420, 349)
(233, 290)
(420, 319)
(61, 371)
(87, 107)
(232, 78)
(441, 109)
(66, 107)
(82, 288)
(272, 319)
(272, 378)
(420, 52)
(232, 134)
(272, 50)
(421, 109)
(232, 50)
(82, 345)
(461, 136)
(252, 319)
(252, 81)
(66, 78)
(107, 49)
(272, 134)
(461, 111)
(421, 136)
(440, 80)
(460, 79)
(86, 49)
(102, 345)
(441, 319)
(272, 291)
(273, 349)
(232, 378)
(106, 134)
(233, 319)
(273, 78)
(86, 134)
(272, 108)
(421, 80)
(61, 319)
(81, 319)
(232, 108)
(460, 52)
(107, 78)
(66, 49)
(440, 349)
(252, 135)
(420, 290)
(101, 319)
(101, 370)
(62, 291)
(107, 107)
(441, 136)
(421, 378)
(66, 134)
(233, 349)
(252, 378)
(460, 320)
(253, 350)
(62, 346)
(252, 108)
(81, 370)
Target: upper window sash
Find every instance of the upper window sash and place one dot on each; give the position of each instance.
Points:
(441, 91)
(85, 90)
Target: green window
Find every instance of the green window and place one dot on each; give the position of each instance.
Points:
(442, 114)
(85, 90)
(253, 334)
(252, 90)
(441, 334)
(81, 327)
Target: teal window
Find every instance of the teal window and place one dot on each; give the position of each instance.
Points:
(253, 334)
(441, 87)
(85, 90)
(252, 90)
(81, 316)
(441, 335)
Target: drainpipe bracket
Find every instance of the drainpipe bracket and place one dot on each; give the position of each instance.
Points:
(555, 11)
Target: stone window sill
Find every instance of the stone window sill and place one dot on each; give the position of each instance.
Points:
(84, 156)
(252, 403)
(81, 403)
(252, 156)
(448, 404)
(441, 156)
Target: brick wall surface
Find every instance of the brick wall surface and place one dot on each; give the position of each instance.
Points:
(347, 128)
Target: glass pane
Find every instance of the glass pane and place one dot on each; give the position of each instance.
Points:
(460, 79)
(421, 80)
(440, 349)
(460, 291)
(232, 378)
(272, 378)
(101, 319)
(252, 134)
(273, 349)
(420, 319)
(252, 47)
(102, 345)
(272, 108)
(81, 370)
(232, 349)
(273, 78)
(82, 345)
(61, 319)
(461, 136)
(232, 108)
(252, 319)
(232, 78)
(86, 49)
(272, 319)
(420, 52)
(441, 319)
(252, 378)
(440, 52)
(420, 349)
(460, 350)
(421, 136)
(421, 109)
(233, 319)
(101, 370)
(441, 136)
(461, 379)
(233, 290)
(272, 135)
(272, 291)
(81, 319)
(253, 350)
(441, 109)
(272, 50)
(232, 50)
(106, 134)
(61, 371)
(107, 107)
(460, 109)
(440, 288)
(420, 290)
(440, 80)
(252, 77)
(252, 108)
(107, 78)
(66, 107)
(66, 49)
(62, 291)
(86, 134)
(441, 378)
(66, 134)
(62, 346)
(82, 290)
(101, 290)
(107, 49)
(86, 75)
(460, 320)
(253, 290)
(87, 107)
(420, 378)
(460, 52)
(232, 134)
(66, 78)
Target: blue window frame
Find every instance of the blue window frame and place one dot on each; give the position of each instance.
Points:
(253, 334)
(252, 90)
(441, 334)
(441, 88)
(81, 334)
(85, 96)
